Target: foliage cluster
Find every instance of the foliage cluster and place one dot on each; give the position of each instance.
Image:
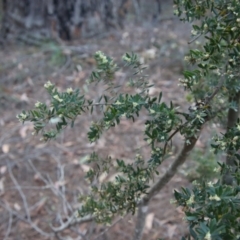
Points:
(212, 209)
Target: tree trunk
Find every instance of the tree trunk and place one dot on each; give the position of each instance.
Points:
(232, 121)
(71, 19)
(34, 20)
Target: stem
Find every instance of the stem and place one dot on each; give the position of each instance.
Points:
(232, 120)
(143, 205)
(172, 169)
(141, 217)
(195, 38)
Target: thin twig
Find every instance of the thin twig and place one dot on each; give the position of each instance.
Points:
(37, 204)
(195, 38)
(172, 169)
(160, 184)
(24, 219)
(30, 188)
(82, 235)
(172, 135)
(217, 89)
(18, 187)
(107, 229)
(72, 221)
(49, 182)
(9, 222)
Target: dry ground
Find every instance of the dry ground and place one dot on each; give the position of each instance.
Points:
(44, 178)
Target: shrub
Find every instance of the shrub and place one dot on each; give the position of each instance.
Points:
(212, 209)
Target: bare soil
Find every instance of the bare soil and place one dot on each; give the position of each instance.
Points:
(30, 169)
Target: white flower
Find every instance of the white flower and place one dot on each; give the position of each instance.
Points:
(152, 111)
(187, 58)
(21, 117)
(176, 12)
(210, 184)
(194, 33)
(208, 236)
(217, 169)
(205, 26)
(215, 197)
(190, 200)
(126, 58)
(57, 98)
(149, 141)
(38, 104)
(48, 85)
(206, 56)
(102, 58)
(173, 201)
(135, 104)
(69, 90)
(235, 138)
(118, 102)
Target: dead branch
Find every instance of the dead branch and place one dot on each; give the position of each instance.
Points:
(143, 205)
(25, 204)
(60, 193)
(107, 229)
(9, 222)
(73, 220)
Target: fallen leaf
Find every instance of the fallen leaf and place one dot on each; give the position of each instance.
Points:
(69, 144)
(84, 159)
(23, 130)
(3, 169)
(30, 81)
(24, 97)
(171, 230)
(59, 184)
(20, 66)
(41, 145)
(85, 167)
(125, 35)
(149, 221)
(2, 123)
(37, 178)
(17, 207)
(149, 54)
(79, 68)
(75, 161)
(102, 177)
(2, 186)
(5, 148)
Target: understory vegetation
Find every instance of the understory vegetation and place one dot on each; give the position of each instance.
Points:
(211, 207)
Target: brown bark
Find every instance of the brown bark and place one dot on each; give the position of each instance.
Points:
(232, 121)
(41, 19)
(35, 20)
(158, 186)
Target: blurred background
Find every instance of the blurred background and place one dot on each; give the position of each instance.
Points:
(55, 40)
